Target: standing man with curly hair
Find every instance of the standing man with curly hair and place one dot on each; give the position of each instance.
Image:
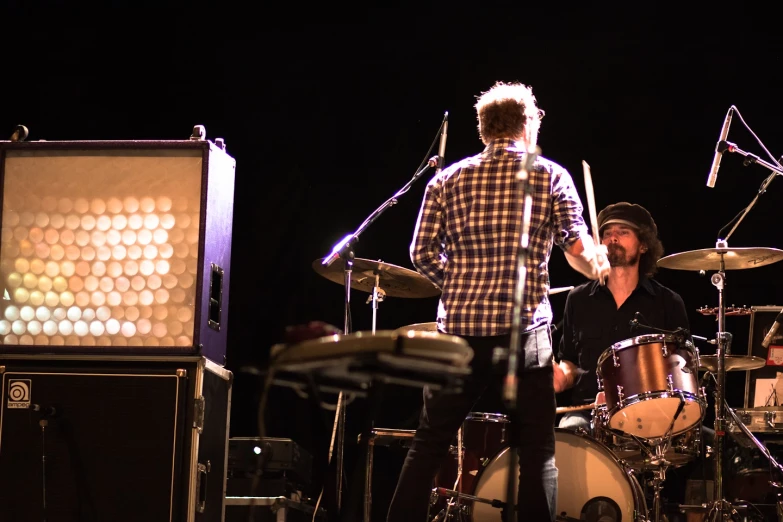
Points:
(466, 242)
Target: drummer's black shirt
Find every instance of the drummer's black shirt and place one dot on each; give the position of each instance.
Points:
(592, 323)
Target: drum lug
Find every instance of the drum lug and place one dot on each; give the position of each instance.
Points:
(600, 382)
(664, 349)
(620, 396)
(670, 382)
(614, 357)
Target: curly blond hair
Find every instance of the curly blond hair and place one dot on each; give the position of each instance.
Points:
(504, 110)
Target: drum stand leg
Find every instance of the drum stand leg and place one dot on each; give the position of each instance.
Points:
(659, 459)
(659, 476)
(356, 507)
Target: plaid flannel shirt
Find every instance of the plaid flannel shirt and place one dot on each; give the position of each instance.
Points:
(467, 238)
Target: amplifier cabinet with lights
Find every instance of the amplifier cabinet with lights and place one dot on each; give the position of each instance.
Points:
(120, 438)
(115, 247)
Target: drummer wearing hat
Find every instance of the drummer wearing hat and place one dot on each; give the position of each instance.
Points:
(598, 316)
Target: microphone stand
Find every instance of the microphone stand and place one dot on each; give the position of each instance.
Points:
(510, 382)
(344, 250)
(750, 159)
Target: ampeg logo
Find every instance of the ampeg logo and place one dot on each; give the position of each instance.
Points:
(19, 393)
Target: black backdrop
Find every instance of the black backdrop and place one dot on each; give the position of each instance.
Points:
(328, 112)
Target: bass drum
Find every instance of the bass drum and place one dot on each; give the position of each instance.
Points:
(593, 485)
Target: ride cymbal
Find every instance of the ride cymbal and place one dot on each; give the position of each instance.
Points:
(733, 258)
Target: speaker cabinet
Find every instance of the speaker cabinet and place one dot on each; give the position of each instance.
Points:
(115, 247)
(116, 438)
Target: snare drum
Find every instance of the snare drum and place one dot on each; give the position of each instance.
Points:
(646, 379)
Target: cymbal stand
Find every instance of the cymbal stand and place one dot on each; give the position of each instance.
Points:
(344, 250)
(720, 509)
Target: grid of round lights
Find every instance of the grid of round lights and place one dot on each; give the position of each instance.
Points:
(99, 271)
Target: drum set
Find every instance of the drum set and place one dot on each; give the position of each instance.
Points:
(647, 419)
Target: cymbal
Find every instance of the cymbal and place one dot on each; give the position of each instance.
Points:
(731, 362)
(733, 258)
(419, 327)
(394, 280)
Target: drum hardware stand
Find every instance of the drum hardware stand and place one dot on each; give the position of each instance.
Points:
(378, 295)
(457, 496)
(659, 476)
(657, 457)
(344, 250)
(453, 502)
(661, 445)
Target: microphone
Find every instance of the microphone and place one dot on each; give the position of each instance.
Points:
(636, 321)
(337, 250)
(442, 149)
(772, 330)
(724, 132)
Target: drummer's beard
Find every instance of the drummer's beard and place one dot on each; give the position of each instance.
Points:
(618, 256)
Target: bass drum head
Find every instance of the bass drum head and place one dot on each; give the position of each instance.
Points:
(592, 485)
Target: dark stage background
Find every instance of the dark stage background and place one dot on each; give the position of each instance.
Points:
(329, 113)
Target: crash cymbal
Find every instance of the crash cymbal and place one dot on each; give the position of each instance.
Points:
(395, 281)
(731, 362)
(733, 258)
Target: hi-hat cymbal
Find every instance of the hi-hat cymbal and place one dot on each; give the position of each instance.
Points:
(731, 362)
(733, 258)
(394, 280)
